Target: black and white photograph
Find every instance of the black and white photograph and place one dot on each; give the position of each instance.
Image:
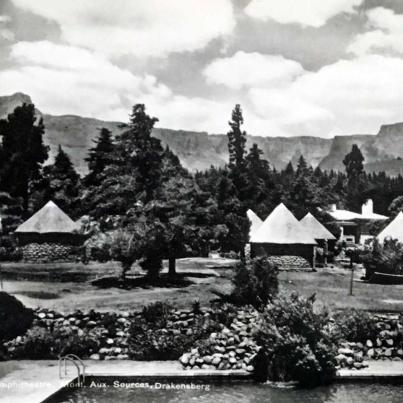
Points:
(201, 201)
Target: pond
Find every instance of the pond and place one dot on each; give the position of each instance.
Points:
(234, 392)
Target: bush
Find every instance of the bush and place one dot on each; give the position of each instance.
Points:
(355, 326)
(296, 343)
(386, 258)
(157, 335)
(15, 318)
(40, 344)
(157, 313)
(256, 284)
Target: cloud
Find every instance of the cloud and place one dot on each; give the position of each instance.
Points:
(64, 79)
(386, 34)
(352, 96)
(5, 33)
(69, 80)
(252, 69)
(141, 27)
(313, 13)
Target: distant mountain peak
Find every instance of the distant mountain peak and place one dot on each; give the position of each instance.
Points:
(9, 102)
(199, 150)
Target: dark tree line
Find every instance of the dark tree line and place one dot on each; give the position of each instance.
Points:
(137, 189)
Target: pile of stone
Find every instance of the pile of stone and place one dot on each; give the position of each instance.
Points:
(48, 252)
(287, 262)
(389, 342)
(351, 355)
(231, 348)
(113, 343)
(387, 345)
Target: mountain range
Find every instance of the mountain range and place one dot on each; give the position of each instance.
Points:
(200, 150)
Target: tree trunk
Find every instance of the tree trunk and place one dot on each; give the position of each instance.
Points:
(171, 267)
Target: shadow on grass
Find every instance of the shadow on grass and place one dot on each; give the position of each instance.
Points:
(164, 281)
(37, 294)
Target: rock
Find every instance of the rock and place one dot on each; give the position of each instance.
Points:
(345, 351)
(104, 351)
(341, 358)
(400, 352)
(249, 368)
(371, 353)
(95, 357)
(109, 341)
(122, 357)
(388, 352)
(358, 365)
(232, 360)
(41, 315)
(208, 359)
(378, 342)
(216, 361)
(389, 342)
(350, 361)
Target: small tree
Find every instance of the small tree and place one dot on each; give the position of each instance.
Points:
(124, 250)
(255, 284)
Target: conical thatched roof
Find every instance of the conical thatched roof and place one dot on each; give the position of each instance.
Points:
(315, 228)
(255, 222)
(49, 219)
(394, 230)
(281, 227)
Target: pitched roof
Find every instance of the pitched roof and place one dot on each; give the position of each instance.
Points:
(394, 230)
(315, 228)
(281, 227)
(346, 215)
(49, 219)
(255, 221)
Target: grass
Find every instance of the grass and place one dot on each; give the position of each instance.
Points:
(55, 286)
(331, 287)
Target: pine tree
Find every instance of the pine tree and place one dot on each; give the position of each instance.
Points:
(356, 178)
(236, 139)
(141, 153)
(23, 152)
(99, 157)
(61, 184)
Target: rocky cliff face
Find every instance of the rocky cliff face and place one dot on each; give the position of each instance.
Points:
(199, 150)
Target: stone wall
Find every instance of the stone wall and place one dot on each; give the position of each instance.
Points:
(48, 252)
(290, 262)
(297, 250)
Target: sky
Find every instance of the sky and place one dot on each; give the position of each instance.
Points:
(297, 67)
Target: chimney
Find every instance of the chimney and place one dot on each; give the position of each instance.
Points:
(333, 207)
(367, 208)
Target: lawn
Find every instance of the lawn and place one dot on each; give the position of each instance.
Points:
(52, 285)
(66, 287)
(331, 287)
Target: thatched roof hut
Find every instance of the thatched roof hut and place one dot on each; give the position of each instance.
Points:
(255, 221)
(49, 235)
(394, 230)
(281, 234)
(316, 229)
